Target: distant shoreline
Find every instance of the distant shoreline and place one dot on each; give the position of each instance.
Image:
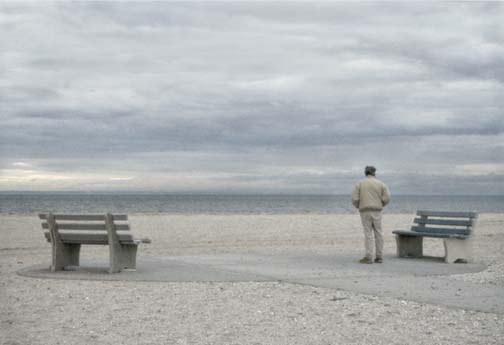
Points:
(14, 192)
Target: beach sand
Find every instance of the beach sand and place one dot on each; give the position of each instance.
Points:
(48, 311)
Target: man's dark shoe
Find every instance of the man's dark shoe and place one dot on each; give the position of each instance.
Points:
(378, 260)
(366, 260)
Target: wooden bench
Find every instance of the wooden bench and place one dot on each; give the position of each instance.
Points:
(455, 228)
(67, 232)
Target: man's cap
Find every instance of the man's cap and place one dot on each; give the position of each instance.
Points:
(370, 170)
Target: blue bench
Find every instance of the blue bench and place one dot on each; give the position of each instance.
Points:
(455, 228)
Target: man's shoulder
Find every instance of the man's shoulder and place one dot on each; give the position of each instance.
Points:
(360, 183)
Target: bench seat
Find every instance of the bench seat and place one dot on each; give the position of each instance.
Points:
(89, 237)
(427, 234)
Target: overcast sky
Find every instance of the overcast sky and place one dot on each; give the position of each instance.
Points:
(252, 97)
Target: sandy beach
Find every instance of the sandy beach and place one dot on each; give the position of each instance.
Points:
(49, 311)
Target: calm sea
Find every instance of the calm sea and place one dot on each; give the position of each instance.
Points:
(32, 203)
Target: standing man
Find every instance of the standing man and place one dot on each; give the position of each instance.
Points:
(370, 195)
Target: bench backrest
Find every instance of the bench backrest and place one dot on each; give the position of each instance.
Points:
(447, 223)
(87, 228)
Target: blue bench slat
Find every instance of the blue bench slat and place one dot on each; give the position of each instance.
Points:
(447, 214)
(435, 221)
(431, 230)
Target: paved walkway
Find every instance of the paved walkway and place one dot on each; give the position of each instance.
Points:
(422, 280)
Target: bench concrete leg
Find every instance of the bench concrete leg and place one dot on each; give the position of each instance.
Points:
(456, 249)
(122, 256)
(129, 256)
(64, 255)
(409, 246)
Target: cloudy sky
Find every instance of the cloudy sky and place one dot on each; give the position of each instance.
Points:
(252, 97)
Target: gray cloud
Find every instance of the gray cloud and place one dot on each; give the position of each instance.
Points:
(251, 96)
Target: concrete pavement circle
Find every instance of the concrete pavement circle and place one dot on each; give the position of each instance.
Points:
(423, 280)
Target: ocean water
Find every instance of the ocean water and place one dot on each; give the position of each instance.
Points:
(33, 203)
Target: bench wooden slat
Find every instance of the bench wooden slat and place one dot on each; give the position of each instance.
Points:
(428, 234)
(84, 226)
(447, 214)
(84, 217)
(89, 238)
(454, 222)
(422, 229)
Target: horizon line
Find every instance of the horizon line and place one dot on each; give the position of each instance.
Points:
(221, 193)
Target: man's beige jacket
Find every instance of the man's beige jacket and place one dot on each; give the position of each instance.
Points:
(370, 194)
